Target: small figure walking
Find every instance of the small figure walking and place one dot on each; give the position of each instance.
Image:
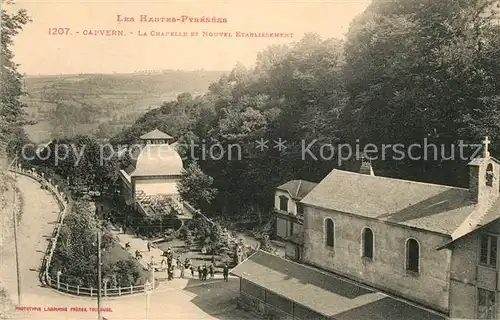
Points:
(225, 272)
(199, 272)
(192, 271)
(149, 245)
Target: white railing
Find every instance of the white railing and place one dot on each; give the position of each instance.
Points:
(65, 205)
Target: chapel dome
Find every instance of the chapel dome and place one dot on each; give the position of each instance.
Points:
(158, 160)
(157, 157)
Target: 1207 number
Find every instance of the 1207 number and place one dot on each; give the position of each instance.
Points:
(58, 31)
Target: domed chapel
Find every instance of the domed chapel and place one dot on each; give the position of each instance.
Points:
(155, 170)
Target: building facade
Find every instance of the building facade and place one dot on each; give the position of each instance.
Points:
(432, 247)
(155, 170)
(289, 215)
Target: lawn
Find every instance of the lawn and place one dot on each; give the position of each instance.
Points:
(117, 253)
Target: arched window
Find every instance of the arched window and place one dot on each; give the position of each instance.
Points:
(329, 232)
(412, 255)
(368, 243)
(489, 175)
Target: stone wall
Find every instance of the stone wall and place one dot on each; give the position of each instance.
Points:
(387, 270)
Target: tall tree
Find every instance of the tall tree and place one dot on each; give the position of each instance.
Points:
(12, 114)
(418, 71)
(195, 187)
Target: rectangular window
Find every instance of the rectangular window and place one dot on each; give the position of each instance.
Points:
(486, 304)
(284, 203)
(488, 250)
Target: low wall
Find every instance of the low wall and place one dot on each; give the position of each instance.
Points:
(65, 204)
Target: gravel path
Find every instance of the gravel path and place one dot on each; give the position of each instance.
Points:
(40, 211)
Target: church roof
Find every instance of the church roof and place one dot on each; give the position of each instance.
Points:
(155, 134)
(157, 160)
(298, 189)
(426, 206)
(476, 221)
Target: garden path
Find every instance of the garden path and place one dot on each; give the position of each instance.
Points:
(137, 243)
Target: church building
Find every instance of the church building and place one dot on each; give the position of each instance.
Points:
(383, 248)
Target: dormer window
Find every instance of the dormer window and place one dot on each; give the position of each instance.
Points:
(284, 203)
(489, 175)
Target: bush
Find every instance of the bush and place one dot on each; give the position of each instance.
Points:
(126, 272)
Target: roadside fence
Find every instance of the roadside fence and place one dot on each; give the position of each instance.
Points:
(65, 204)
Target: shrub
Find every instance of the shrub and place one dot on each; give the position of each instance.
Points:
(127, 272)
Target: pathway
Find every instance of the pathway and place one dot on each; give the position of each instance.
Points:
(178, 299)
(137, 243)
(40, 212)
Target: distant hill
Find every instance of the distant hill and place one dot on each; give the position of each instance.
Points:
(96, 99)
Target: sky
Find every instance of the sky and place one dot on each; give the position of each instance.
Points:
(74, 51)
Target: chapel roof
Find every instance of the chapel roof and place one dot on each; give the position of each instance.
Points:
(298, 189)
(155, 134)
(432, 207)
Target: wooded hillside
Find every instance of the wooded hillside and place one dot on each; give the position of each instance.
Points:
(406, 72)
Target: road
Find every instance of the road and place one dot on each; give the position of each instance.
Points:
(178, 299)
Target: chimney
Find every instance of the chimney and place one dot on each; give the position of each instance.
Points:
(366, 166)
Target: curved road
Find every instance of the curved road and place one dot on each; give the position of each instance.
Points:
(170, 301)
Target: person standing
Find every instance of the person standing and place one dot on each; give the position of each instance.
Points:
(225, 272)
(205, 272)
(211, 271)
(169, 261)
(171, 272)
(200, 275)
(149, 245)
(192, 271)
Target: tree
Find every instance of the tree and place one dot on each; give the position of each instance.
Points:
(195, 186)
(76, 251)
(418, 71)
(12, 114)
(83, 162)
